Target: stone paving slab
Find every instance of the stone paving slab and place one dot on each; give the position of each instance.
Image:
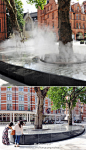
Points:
(77, 143)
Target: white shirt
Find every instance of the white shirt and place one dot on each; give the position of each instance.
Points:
(18, 130)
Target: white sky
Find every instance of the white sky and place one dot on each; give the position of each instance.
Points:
(31, 8)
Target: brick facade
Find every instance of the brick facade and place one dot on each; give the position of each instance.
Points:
(77, 14)
(3, 24)
(25, 99)
(20, 98)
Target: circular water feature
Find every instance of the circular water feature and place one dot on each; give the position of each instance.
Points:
(49, 133)
(25, 57)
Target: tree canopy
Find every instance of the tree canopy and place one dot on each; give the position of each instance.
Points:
(65, 95)
(19, 7)
(38, 3)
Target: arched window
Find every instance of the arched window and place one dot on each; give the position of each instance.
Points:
(28, 25)
(76, 16)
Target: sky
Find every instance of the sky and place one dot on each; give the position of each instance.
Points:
(31, 8)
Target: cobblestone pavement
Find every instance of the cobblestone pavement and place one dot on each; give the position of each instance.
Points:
(77, 143)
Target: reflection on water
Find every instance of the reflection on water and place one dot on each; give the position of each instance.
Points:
(50, 129)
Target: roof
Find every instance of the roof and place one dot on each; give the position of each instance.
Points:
(34, 14)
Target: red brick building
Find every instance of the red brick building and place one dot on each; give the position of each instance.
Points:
(3, 24)
(77, 14)
(20, 103)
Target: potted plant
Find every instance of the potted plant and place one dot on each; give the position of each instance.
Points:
(82, 42)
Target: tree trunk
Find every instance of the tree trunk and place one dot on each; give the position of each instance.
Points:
(13, 14)
(39, 115)
(70, 114)
(65, 32)
(70, 117)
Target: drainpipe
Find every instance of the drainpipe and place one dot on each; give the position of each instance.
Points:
(31, 98)
(15, 98)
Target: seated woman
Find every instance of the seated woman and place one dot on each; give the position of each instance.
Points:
(5, 139)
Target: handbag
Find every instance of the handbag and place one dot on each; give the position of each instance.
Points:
(13, 132)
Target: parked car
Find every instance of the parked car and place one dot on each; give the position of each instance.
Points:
(77, 121)
(58, 122)
(51, 121)
(48, 122)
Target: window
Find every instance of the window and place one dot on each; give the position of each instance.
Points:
(0, 25)
(47, 1)
(76, 16)
(29, 103)
(20, 88)
(83, 18)
(28, 89)
(0, 97)
(21, 107)
(28, 107)
(0, 106)
(9, 107)
(78, 8)
(9, 97)
(45, 22)
(35, 100)
(21, 97)
(29, 99)
(53, 25)
(76, 25)
(48, 16)
(51, 6)
(53, 15)
(79, 16)
(79, 25)
(83, 26)
(9, 88)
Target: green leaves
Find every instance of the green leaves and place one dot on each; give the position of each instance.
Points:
(66, 95)
(19, 7)
(39, 4)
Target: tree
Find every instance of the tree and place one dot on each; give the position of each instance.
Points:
(38, 3)
(19, 7)
(10, 4)
(39, 115)
(65, 32)
(66, 96)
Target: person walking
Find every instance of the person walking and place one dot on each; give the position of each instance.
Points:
(18, 132)
(5, 139)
